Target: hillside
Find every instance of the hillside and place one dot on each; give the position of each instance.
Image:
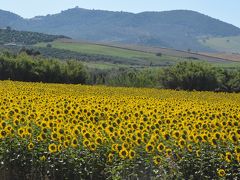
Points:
(9, 19)
(179, 29)
(25, 38)
(229, 44)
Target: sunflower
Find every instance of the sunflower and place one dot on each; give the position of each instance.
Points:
(213, 142)
(16, 122)
(228, 157)
(238, 158)
(189, 147)
(157, 160)
(52, 148)
(168, 151)
(21, 131)
(118, 147)
(76, 132)
(110, 157)
(92, 147)
(30, 146)
(131, 154)
(176, 134)
(74, 142)
(160, 147)
(237, 150)
(125, 145)
(59, 148)
(98, 141)
(221, 172)
(123, 153)
(138, 141)
(149, 148)
(42, 158)
(86, 142)
(66, 143)
(54, 136)
(181, 143)
(3, 133)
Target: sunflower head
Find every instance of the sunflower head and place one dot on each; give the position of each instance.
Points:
(123, 153)
(149, 148)
(221, 172)
(52, 148)
(30, 146)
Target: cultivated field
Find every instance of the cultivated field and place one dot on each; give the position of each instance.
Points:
(97, 132)
(137, 56)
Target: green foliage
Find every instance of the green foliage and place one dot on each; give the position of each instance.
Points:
(125, 77)
(23, 37)
(229, 80)
(190, 76)
(23, 67)
(201, 77)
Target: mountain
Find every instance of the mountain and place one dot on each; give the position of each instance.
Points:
(9, 19)
(178, 29)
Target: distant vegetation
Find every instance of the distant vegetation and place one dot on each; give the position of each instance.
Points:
(25, 38)
(184, 75)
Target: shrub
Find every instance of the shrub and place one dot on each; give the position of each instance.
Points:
(190, 76)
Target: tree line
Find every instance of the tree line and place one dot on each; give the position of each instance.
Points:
(182, 76)
(23, 67)
(9, 35)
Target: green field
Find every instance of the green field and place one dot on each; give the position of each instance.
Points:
(99, 49)
(224, 44)
(126, 57)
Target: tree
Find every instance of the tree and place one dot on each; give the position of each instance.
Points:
(190, 76)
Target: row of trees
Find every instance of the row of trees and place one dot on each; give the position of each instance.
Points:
(200, 76)
(35, 69)
(184, 75)
(24, 37)
(126, 77)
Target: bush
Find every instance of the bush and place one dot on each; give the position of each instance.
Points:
(28, 68)
(190, 76)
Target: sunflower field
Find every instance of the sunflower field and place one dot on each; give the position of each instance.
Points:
(57, 131)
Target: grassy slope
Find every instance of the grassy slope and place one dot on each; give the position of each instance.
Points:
(144, 59)
(224, 44)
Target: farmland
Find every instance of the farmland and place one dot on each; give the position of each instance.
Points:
(117, 55)
(97, 132)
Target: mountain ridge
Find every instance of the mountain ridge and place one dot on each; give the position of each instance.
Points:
(179, 29)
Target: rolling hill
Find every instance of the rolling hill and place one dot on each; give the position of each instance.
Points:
(179, 29)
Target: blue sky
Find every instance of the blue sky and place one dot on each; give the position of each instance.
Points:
(226, 10)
